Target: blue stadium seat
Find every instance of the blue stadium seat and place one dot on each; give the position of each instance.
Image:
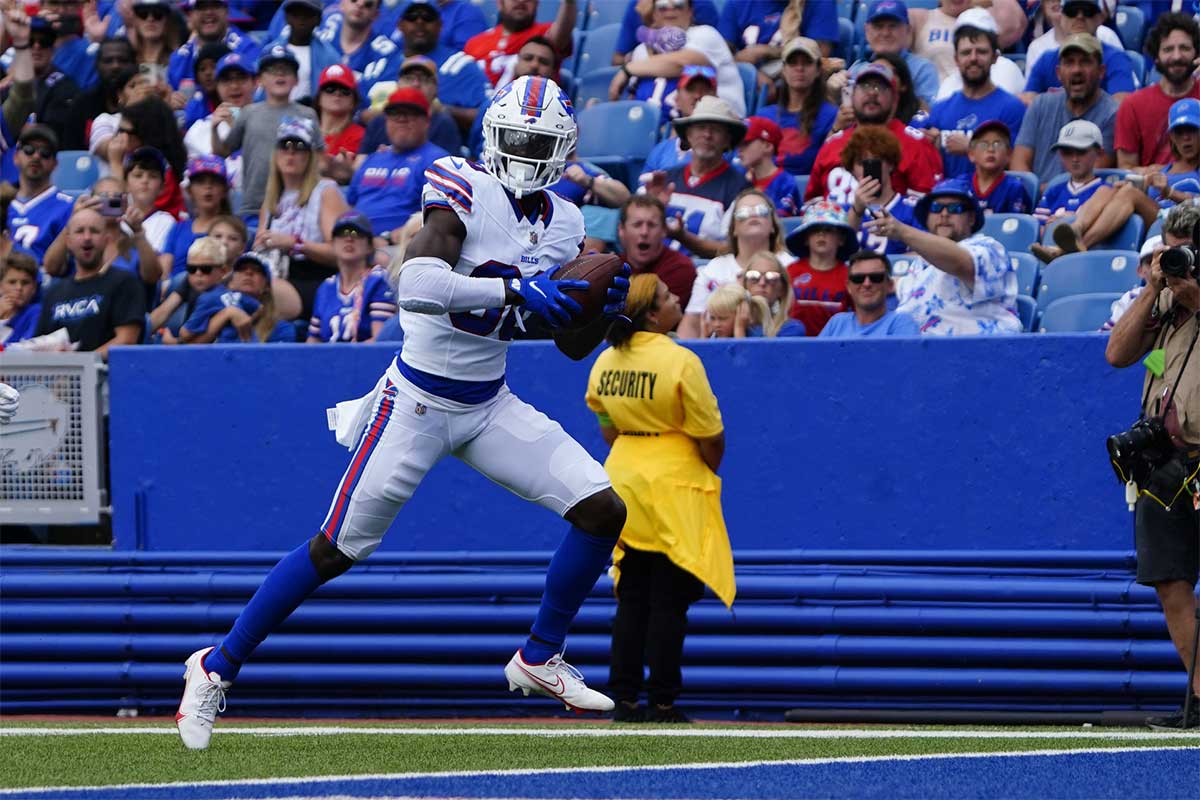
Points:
(1026, 311)
(77, 170)
(1139, 66)
(845, 46)
(1085, 273)
(604, 12)
(1029, 270)
(1032, 185)
(801, 184)
(790, 224)
(597, 49)
(488, 7)
(1015, 231)
(593, 86)
(1078, 313)
(1129, 237)
(618, 136)
(1131, 26)
(845, 9)
(749, 75)
(1155, 229)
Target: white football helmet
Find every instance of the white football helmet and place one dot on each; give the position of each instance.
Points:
(528, 131)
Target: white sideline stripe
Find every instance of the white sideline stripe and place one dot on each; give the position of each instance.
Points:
(566, 732)
(402, 776)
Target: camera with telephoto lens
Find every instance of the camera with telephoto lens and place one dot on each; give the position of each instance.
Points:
(1139, 451)
(1183, 261)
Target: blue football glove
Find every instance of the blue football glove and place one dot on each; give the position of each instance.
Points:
(542, 295)
(618, 291)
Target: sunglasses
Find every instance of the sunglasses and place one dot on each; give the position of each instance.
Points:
(754, 276)
(663, 5)
(150, 12)
(423, 15)
(873, 87)
(368, 4)
(338, 89)
(349, 233)
(208, 5)
(206, 269)
(43, 42)
(873, 277)
(1079, 10)
(957, 207)
(748, 212)
(31, 150)
(294, 145)
(127, 131)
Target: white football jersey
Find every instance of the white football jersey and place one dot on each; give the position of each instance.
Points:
(501, 243)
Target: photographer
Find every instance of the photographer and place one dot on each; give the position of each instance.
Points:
(1161, 452)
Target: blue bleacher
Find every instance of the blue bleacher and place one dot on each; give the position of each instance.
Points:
(1026, 311)
(1015, 231)
(1078, 313)
(77, 170)
(1086, 273)
(593, 85)
(597, 49)
(618, 136)
(846, 41)
(1139, 66)
(1129, 237)
(604, 12)
(1032, 185)
(749, 75)
(1155, 229)
(1029, 271)
(1130, 23)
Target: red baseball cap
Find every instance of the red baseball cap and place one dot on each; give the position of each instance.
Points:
(408, 96)
(764, 129)
(339, 75)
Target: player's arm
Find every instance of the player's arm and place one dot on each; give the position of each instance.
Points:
(426, 282)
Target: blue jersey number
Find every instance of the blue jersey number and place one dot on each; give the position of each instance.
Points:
(484, 322)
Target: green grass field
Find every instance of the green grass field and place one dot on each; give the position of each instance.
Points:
(147, 751)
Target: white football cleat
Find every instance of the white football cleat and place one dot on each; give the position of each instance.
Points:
(556, 679)
(203, 699)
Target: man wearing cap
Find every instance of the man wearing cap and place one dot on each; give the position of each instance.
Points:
(1145, 256)
(417, 72)
(1080, 69)
(695, 82)
(312, 53)
(1141, 133)
(888, 33)
(933, 29)
(114, 57)
(208, 20)
(698, 193)
(757, 153)
(39, 212)
(496, 49)
(1083, 17)
(462, 86)
(235, 90)
(757, 29)
(963, 281)
(1004, 71)
(55, 91)
(874, 101)
(1058, 32)
(387, 186)
(951, 121)
(254, 130)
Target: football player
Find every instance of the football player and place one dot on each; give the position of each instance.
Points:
(486, 257)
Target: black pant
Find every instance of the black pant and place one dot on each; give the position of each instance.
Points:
(653, 596)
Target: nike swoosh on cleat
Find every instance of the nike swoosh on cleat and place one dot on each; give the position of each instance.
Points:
(558, 688)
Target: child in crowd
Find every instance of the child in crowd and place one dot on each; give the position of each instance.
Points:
(733, 313)
(18, 285)
(1080, 147)
(758, 152)
(252, 278)
(145, 176)
(206, 323)
(767, 277)
(998, 193)
(205, 269)
(822, 244)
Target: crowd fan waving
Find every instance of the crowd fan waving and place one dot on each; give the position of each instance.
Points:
(247, 172)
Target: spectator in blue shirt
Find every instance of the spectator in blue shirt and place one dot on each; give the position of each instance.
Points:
(208, 21)
(873, 196)
(803, 113)
(420, 73)
(349, 29)
(1083, 16)
(353, 304)
(888, 32)
(18, 285)
(954, 119)
(1079, 149)
(252, 278)
(39, 212)
(757, 29)
(869, 284)
(387, 186)
(997, 191)
(206, 323)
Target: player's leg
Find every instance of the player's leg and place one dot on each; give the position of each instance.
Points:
(392, 457)
(531, 455)
(627, 664)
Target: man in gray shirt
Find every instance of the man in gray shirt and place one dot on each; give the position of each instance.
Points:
(253, 129)
(1081, 70)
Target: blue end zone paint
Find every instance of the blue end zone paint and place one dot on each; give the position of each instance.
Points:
(1087, 776)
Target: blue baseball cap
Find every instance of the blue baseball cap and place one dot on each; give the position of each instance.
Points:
(1184, 114)
(255, 260)
(888, 9)
(353, 220)
(277, 55)
(207, 165)
(231, 62)
(952, 187)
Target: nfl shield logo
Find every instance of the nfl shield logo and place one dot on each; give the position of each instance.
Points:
(533, 237)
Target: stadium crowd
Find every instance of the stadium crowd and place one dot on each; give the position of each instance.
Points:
(184, 173)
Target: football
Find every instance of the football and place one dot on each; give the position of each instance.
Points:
(598, 270)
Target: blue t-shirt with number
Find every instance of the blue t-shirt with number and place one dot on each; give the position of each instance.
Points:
(35, 223)
(1008, 196)
(334, 312)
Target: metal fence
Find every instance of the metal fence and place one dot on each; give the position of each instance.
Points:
(52, 452)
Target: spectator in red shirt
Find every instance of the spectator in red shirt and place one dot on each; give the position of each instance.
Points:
(496, 50)
(1140, 136)
(822, 244)
(874, 98)
(642, 234)
(337, 99)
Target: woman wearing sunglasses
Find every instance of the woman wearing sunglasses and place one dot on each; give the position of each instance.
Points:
(354, 304)
(337, 100)
(768, 278)
(869, 283)
(753, 227)
(298, 212)
(153, 32)
(963, 282)
(658, 413)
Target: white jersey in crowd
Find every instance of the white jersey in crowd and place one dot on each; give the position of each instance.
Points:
(707, 41)
(501, 243)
